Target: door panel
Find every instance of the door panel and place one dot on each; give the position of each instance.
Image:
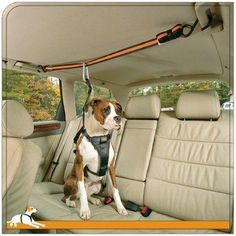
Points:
(46, 135)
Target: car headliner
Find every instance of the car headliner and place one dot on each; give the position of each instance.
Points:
(48, 34)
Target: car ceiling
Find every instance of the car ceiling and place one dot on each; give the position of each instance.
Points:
(49, 34)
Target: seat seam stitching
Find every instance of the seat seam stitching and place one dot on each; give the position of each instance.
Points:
(194, 141)
(157, 157)
(203, 189)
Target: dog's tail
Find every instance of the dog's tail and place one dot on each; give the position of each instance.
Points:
(10, 221)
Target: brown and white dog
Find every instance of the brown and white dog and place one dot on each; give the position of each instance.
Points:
(106, 116)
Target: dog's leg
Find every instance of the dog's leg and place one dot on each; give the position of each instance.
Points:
(70, 201)
(79, 173)
(11, 223)
(94, 189)
(84, 208)
(112, 177)
(70, 191)
(33, 225)
(37, 223)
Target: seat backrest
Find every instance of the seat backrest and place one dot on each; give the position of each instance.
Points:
(64, 167)
(21, 158)
(135, 149)
(190, 172)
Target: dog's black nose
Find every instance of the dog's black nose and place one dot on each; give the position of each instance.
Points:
(117, 119)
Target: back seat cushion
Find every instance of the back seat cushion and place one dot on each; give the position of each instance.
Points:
(136, 146)
(135, 150)
(190, 168)
(67, 153)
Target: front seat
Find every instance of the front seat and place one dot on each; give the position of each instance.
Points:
(21, 159)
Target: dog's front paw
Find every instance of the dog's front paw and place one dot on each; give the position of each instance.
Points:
(84, 213)
(122, 211)
(70, 203)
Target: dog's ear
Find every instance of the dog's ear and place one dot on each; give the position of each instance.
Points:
(28, 209)
(118, 107)
(92, 103)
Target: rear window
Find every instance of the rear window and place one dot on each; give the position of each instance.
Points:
(80, 93)
(40, 95)
(169, 93)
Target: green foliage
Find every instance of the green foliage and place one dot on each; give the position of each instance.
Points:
(80, 92)
(39, 95)
(169, 94)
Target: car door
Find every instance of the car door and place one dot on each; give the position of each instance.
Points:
(42, 97)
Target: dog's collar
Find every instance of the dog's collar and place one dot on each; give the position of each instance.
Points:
(25, 215)
(97, 139)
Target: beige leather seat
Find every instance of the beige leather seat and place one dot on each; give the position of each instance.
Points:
(142, 113)
(190, 176)
(21, 159)
(177, 167)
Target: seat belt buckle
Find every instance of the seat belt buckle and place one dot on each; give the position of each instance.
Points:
(145, 211)
(108, 200)
(131, 206)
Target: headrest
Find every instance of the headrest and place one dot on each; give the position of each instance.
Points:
(16, 120)
(143, 107)
(198, 105)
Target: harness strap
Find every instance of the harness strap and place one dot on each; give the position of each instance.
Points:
(25, 215)
(102, 145)
(81, 130)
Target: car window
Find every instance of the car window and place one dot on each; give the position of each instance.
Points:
(80, 93)
(40, 95)
(169, 93)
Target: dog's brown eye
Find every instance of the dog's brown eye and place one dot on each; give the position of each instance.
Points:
(106, 110)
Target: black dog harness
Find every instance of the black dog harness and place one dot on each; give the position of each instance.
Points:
(25, 215)
(102, 145)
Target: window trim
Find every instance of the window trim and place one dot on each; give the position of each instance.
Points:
(60, 113)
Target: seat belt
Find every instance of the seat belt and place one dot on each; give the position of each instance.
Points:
(60, 148)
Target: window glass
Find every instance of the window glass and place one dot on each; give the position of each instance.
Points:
(40, 95)
(81, 92)
(169, 93)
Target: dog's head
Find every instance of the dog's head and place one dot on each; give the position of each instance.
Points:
(31, 210)
(107, 113)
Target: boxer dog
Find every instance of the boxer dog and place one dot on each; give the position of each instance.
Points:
(81, 183)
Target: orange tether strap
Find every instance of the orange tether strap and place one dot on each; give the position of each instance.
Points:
(163, 37)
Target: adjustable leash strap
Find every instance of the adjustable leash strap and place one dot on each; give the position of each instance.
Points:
(57, 158)
(179, 30)
(87, 81)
